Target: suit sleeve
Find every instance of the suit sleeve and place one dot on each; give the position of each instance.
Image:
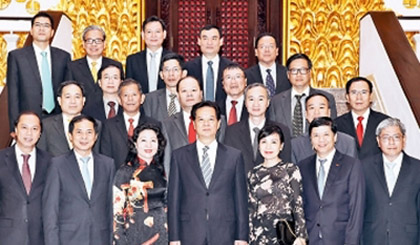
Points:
(12, 79)
(50, 206)
(174, 194)
(241, 201)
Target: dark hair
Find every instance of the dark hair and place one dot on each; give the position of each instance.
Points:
(184, 78)
(67, 83)
(265, 34)
(209, 27)
(23, 113)
(358, 79)
(80, 118)
(154, 18)
(296, 57)
(317, 94)
(93, 28)
(233, 66)
(158, 157)
(103, 68)
(256, 85)
(45, 15)
(323, 121)
(172, 56)
(202, 104)
(127, 82)
(268, 130)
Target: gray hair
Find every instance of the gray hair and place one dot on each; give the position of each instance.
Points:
(91, 28)
(389, 122)
(255, 85)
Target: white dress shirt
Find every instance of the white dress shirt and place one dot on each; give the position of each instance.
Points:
(239, 106)
(395, 170)
(364, 121)
(31, 160)
(211, 152)
(135, 118)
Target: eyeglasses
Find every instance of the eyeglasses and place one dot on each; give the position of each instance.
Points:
(302, 71)
(39, 25)
(359, 92)
(94, 41)
(173, 69)
(395, 138)
(236, 77)
(270, 47)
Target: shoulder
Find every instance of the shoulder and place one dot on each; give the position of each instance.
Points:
(378, 115)
(104, 159)
(59, 51)
(231, 151)
(156, 93)
(7, 151)
(193, 62)
(344, 117)
(146, 119)
(135, 56)
(52, 119)
(225, 61)
(43, 155)
(281, 96)
(329, 95)
(280, 67)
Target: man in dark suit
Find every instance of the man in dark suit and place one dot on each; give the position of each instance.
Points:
(108, 105)
(85, 70)
(118, 130)
(207, 192)
(23, 168)
(244, 134)
(333, 189)
(288, 107)
(317, 105)
(144, 66)
(35, 72)
(208, 67)
(77, 201)
(361, 121)
(268, 71)
(392, 190)
(163, 103)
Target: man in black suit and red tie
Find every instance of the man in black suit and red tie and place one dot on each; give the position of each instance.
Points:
(207, 190)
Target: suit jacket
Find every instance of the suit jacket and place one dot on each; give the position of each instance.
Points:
(53, 138)
(338, 216)
(280, 109)
(391, 219)
(239, 137)
(195, 69)
(155, 105)
(79, 70)
(136, 68)
(20, 216)
(114, 137)
(24, 80)
(96, 110)
(218, 214)
(302, 146)
(222, 107)
(70, 216)
(369, 147)
(253, 75)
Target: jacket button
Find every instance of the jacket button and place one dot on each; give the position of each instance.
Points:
(318, 225)
(207, 194)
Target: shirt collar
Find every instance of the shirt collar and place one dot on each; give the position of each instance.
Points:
(19, 152)
(215, 59)
(212, 145)
(98, 61)
(264, 68)
(365, 115)
(38, 50)
(306, 92)
(329, 157)
(158, 51)
(78, 156)
(397, 160)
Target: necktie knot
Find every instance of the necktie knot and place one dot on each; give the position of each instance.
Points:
(256, 130)
(360, 119)
(153, 54)
(111, 104)
(299, 96)
(85, 160)
(269, 71)
(234, 102)
(210, 63)
(172, 96)
(93, 63)
(391, 165)
(26, 157)
(205, 149)
(131, 120)
(44, 53)
(322, 161)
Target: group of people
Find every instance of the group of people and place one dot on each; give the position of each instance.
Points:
(197, 152)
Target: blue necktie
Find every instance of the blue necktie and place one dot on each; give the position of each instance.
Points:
(210, 82)
(85, 174)
(47, 88)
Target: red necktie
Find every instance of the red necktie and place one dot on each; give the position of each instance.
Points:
(232, 115)
(111, 112)
(191, 132)
(359, 130)
(26, 173)
(130, 128)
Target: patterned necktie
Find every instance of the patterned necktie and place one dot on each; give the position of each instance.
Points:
(94, 71)
(172, 107)
(111, 112)
(359, 130)
(270, 83)
(297, 122)
(233, 118)
(255, 142)
(152, 72)
(26, 173)
(321, 177)
(130, 128)
(205, 166)
(48, 103)
(392, 178)
(191, 132)
(85, 174)
(210, 82)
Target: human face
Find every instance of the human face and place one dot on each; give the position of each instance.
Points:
(391, 141)
(323, 140)
(257, 102)
(171, 73)
(189, 93)
(153, 35)
(299, 81)
(110, 80)
(94, 50)
(206, 123)
(317, 106)
(359, 97)
(267, 51)
(131, 99)
(71, 100)
(147, 145)
(28, 131)
(270, 147)
(83, 137)
(234, 82)
(210, 42)
(42, 30)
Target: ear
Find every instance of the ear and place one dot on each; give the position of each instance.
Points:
(184, 73)
(142, 99)
(347, 98)
(52, 33)
(221, 41)
(198, 41)
(59, 100)
(161, 75)
(84, 100)
(164, 34)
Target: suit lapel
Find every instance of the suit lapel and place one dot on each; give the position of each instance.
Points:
(12, 164)
(97, 176)
(74, 170)
(246, 138)
(162, 104)
(143, 63)
(59, 131)
(312, 174)
(333, 172)
(370, 130)
(120, 124)
(404, 172)
(195, 163)
(286, 104)
(180, 124)
(32, 62)
(380, 173)
(40, 169)
(218, 165)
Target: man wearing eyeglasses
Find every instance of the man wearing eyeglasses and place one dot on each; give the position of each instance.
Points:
(392, 208)
(268, 71)
(361, 121)
(288, 107)
(35, 72)
(85, 70)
